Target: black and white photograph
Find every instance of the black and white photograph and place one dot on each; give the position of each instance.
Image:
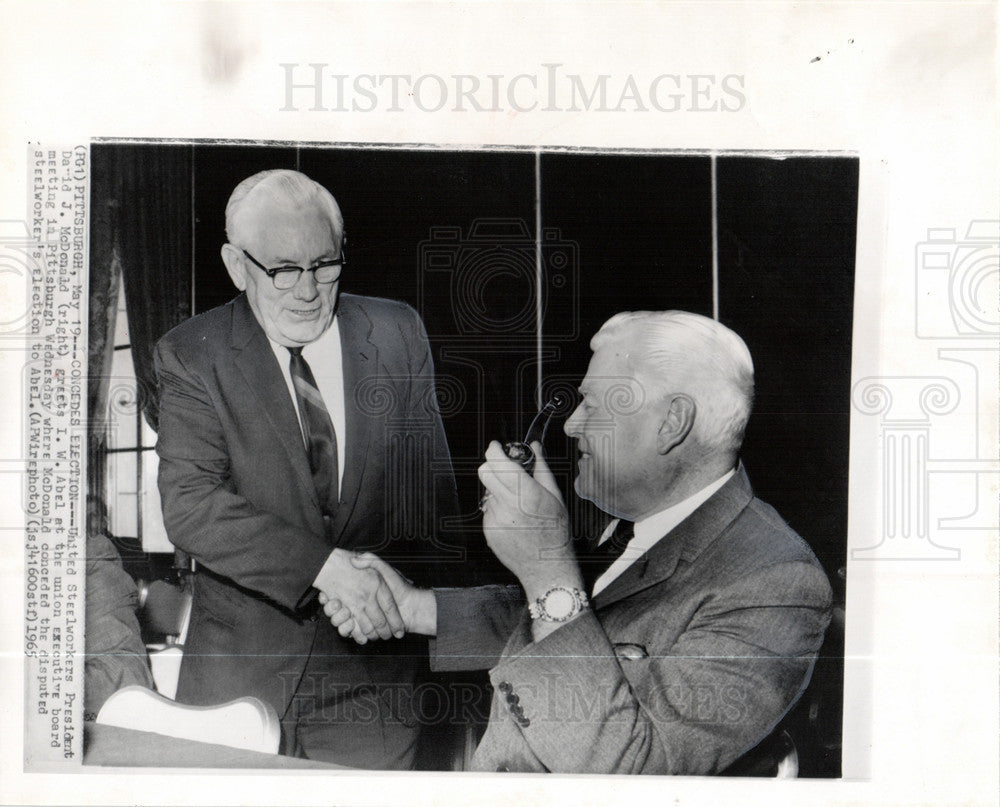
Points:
(442, 402)
(661, 328)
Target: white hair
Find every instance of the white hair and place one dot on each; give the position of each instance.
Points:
(682, 352)
(280, 185)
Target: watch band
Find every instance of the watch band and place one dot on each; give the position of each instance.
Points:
(574, 602)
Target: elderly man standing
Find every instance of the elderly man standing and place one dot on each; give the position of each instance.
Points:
(297, 426)
(678, 641)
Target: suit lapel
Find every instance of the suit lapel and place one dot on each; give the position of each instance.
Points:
(360, 360)
(686, 541)
(256, 361)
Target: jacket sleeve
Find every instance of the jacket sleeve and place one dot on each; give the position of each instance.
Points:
(692, 708)
(116, 656)
(474, 625)
(204, 514)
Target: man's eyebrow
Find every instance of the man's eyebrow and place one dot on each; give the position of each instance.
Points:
(326, 256)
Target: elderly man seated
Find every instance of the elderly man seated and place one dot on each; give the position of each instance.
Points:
(679, 639)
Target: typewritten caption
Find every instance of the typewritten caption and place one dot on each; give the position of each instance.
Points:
(55, 441)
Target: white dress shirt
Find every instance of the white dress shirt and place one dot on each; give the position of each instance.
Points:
(327, 365)
(652, 529)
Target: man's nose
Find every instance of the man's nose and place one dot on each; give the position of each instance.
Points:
(572, 425)
(305, 288)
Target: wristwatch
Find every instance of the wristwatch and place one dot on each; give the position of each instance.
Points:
(559, 604)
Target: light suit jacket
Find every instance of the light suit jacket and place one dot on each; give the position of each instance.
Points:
(686, 661)
(238, 497)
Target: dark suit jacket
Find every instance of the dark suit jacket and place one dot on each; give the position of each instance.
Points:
(686, 661)
(238, 497)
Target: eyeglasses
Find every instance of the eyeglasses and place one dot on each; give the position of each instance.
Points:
(285, 277)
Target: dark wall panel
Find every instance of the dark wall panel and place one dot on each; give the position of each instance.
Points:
(786, 253)
(217, 170)
(451, 233)
(643, 230)
(641, 227)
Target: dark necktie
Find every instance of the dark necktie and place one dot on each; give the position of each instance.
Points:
(317, 428)
(596, 560)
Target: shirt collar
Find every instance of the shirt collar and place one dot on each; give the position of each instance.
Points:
(327, 340)
(659, 524)
(652, 529)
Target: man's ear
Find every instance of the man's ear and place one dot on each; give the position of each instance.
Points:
(233, 259)
(677, 423)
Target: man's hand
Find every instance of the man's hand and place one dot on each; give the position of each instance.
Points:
(363, 594)
(417, 606)
(525, 522)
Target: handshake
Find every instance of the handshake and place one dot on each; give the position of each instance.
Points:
(525, 524)
(366, 598)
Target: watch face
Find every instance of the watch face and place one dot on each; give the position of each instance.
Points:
(560, 603)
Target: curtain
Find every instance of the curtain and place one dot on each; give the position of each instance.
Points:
(104, 280)
(149, 217)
